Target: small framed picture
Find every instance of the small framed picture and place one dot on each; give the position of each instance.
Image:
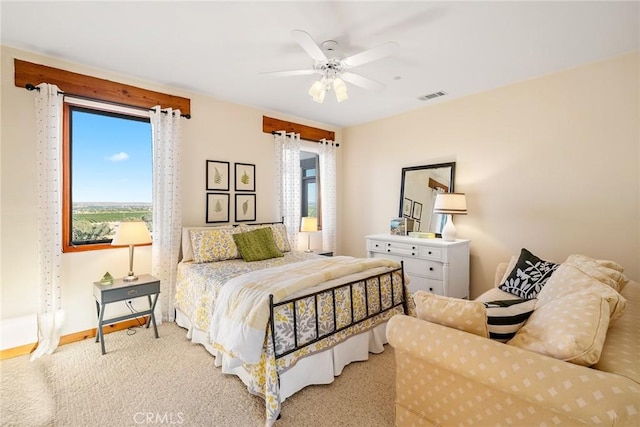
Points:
(416, 225)
(245, 177)
(217, 207)
(217, 175)
(417, 210)
(407, 206)
(245, 207)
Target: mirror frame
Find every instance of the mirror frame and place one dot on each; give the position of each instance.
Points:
(452, 165)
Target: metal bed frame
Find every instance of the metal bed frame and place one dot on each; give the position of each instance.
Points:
(297, 346)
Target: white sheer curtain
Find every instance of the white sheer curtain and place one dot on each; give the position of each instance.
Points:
(49, 206)
(328, 193)
(167, 203)
(287, 155)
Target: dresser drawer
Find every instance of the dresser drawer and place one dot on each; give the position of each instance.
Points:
(123, 293)
(427, 252)
(418, 283)
(430, 269)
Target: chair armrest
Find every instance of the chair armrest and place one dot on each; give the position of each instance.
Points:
(500, 270)
(578, 392)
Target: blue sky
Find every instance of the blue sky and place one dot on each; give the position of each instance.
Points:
(111, 159)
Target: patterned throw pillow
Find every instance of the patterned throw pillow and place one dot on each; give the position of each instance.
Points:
(506, 317)
(528, 276)
(257, 245)
(572, 328)
(465, 315)
(213, 245)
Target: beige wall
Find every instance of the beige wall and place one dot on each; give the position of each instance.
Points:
(550, 164)
(217, 131)
(542, 162)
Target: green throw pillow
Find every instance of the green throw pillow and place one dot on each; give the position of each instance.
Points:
(257, 245)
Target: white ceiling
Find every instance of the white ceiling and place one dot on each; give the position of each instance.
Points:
(219, 48)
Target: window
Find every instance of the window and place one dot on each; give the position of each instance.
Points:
(309, 187)
(107, 173)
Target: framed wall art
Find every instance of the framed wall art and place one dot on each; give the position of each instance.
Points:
(245, 207)
(217, 175)
(407, 205)
(245, 177)
(217, 207)
(417, 210)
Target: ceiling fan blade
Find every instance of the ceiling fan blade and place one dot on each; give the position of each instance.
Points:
(363, 82)
(306, 42)
(287, 73)
(370, 55)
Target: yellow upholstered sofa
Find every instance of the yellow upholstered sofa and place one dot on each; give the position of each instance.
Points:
(451, 377)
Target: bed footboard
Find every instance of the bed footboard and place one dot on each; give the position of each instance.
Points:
(300, 322)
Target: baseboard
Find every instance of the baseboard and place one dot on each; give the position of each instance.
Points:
(76, 336)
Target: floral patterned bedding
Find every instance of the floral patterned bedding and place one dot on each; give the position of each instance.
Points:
(199, 287)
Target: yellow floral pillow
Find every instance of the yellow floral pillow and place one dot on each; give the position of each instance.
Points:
(572, 328)
(465, 315)
(213, 245)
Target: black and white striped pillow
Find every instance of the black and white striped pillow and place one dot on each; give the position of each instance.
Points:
(504, 318)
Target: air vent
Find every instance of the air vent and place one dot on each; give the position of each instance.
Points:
(432, 95)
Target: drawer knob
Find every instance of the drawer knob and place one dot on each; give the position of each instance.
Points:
(430, 268)
(388, 250)
(429, 252)
(413, 247)
(430, 289)
(413, 254)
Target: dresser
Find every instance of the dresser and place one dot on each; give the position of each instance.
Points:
(432, 265)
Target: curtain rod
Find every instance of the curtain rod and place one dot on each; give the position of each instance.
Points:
(274, 132)
(31, 87)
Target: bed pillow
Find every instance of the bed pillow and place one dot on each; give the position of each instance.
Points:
(572, 328)
(187, 249)
(279, 230)
(213, 245)
(465, 315)
(528, 276)
(257, 245)
(506, 317)
(280, 237)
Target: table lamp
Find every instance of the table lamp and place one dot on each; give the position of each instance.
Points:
(450, 204)
(309, 225)
(131, 233)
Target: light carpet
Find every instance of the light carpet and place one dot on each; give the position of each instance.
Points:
(170, 381)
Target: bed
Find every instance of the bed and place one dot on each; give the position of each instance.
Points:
(287, 321)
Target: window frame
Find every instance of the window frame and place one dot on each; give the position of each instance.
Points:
(67, 208)
(312, 147)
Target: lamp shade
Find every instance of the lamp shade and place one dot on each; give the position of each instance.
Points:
(309, 224)
(131, 233)
(450, 203)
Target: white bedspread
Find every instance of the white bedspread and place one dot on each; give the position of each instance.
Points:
(239, 321)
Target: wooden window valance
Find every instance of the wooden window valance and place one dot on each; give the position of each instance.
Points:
(271, 125)
(94, 88)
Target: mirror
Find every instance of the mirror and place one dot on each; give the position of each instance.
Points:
(418, 190)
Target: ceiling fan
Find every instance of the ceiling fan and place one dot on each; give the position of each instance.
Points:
(333, 71)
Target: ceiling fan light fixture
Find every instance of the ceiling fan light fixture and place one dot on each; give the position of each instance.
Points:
(316, 88)
(319, 98)
(342, 96)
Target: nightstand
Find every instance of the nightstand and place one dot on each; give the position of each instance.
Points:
(120, 290)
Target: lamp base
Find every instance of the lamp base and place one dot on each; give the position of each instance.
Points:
(449, 233)
(130, 278)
